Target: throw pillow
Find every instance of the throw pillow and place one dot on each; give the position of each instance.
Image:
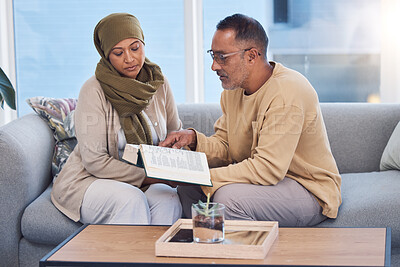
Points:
(59, 114)
(391, 155)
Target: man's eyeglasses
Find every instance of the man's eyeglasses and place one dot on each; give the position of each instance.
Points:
(221, 58)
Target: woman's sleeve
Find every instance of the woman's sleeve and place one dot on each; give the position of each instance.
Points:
(94, 139)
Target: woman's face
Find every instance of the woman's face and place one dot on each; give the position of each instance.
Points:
(128, 57)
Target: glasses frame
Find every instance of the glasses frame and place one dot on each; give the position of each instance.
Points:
(221, 58)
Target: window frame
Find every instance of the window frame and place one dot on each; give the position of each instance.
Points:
(7, 54)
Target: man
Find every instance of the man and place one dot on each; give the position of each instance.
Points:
(270, 157)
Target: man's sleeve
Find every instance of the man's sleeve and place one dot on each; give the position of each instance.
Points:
(278, 134)
(216, 146)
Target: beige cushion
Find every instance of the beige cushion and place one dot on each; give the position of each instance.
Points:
(391, 155)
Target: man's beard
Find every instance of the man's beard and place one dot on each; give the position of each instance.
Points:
(234, 85)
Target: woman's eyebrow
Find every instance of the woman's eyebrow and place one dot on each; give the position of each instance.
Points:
(122, 48)
(134, 42)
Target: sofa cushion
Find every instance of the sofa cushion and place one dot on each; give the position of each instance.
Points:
(58, 113)
(391, 155)
(42, 222)
(369, 200)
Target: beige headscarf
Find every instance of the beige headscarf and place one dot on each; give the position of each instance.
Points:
(128, 96)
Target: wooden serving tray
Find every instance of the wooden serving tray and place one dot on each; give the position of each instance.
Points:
(243, 240)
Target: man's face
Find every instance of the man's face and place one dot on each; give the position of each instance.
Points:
(232, 70)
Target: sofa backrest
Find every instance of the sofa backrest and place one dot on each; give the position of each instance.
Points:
(357, 132)
(200, 116)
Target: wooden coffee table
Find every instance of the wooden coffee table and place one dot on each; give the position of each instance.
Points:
(127, 245)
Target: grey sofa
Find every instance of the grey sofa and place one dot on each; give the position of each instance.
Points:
(31, 226)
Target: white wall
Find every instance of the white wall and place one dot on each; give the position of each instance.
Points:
(390, 51)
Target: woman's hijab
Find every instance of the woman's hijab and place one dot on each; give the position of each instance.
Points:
(128, 96)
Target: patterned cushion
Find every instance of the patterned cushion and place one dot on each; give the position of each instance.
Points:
(59, 114)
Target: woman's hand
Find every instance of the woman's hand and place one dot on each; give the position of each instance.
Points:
(179, 139)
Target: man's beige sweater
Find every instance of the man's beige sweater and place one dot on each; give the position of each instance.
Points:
(276, 132)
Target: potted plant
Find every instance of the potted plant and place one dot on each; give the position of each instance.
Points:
(7, 92)
(208, 221)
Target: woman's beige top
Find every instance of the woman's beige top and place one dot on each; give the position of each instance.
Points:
(96, 154)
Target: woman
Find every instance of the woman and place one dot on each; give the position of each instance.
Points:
(127, 101)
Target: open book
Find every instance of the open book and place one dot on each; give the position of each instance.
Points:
(170, 164)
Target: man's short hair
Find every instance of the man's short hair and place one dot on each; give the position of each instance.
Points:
(247, 30)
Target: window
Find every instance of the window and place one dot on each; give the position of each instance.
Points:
(340, 46)
(335, 44)
(55, 53)
(281, 11)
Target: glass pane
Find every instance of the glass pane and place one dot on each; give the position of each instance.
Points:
(55, 53)
(335, 44)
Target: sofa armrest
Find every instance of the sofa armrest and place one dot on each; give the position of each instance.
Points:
(26, 149)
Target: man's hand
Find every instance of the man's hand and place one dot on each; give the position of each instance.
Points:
(180, 139)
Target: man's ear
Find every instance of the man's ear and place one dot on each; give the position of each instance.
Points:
(252, 55)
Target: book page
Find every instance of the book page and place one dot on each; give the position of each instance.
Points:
(131, 153)
(176, 159)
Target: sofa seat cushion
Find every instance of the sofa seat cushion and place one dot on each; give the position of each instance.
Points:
(42, 222)
(370, 200)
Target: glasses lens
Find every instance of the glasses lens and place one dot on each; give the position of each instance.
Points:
(217, 57)
(211, 53)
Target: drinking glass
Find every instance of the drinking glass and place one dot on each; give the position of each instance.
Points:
(208, 223)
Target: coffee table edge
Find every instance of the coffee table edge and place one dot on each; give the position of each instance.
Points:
(388, 252)
(43, 260)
